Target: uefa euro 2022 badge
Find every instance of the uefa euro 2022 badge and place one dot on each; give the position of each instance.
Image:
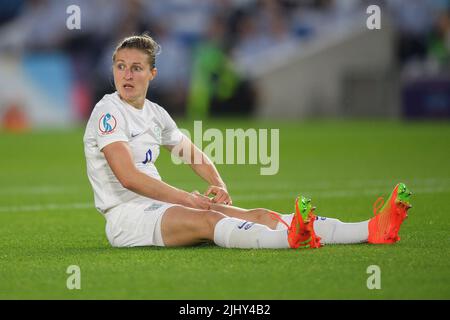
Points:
(107, 124)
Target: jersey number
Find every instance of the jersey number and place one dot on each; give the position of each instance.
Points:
(148, 157)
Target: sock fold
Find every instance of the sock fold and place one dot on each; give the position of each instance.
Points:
(334, 231)
(238, 233)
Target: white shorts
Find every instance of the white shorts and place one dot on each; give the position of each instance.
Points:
(136, 223)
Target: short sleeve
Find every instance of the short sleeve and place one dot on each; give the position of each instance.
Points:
(110, 126)
(170, 135)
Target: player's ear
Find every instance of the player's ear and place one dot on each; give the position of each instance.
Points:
(154, 73)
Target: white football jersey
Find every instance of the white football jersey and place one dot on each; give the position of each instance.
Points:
(144, 130)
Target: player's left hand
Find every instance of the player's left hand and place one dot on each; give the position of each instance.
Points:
(220, 195)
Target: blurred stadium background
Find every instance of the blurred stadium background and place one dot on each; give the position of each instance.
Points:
(256, 58)
(294, 65)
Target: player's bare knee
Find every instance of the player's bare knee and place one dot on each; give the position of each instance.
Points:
(213, 217)
(261, 215)
(209, 220)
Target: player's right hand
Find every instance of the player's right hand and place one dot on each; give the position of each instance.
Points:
(199, 201)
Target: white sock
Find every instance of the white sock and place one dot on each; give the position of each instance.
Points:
(333, 231)
(238, 233)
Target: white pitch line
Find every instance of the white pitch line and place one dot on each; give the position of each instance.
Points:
(243, 186)
(347, 184)
(37, 190)
(337, 193)
(47, 207)
(258, 196)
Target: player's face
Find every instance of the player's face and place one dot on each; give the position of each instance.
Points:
(132, 75)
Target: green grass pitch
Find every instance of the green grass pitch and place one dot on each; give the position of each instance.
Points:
(48, 221)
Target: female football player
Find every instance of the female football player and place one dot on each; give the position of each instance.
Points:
(122, 142)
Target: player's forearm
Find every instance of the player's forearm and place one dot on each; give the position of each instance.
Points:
(208, 172)
(147, 186)
(199, 162)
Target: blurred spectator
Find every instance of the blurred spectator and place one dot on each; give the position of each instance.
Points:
(439, 42)
(170, 86)
(10, 9)
(188, 18)
(14, 119)
(413, 20)
(40, 26)
(216, 88)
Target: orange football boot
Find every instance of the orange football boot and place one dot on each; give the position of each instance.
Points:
(385, 225)
(301, 231)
